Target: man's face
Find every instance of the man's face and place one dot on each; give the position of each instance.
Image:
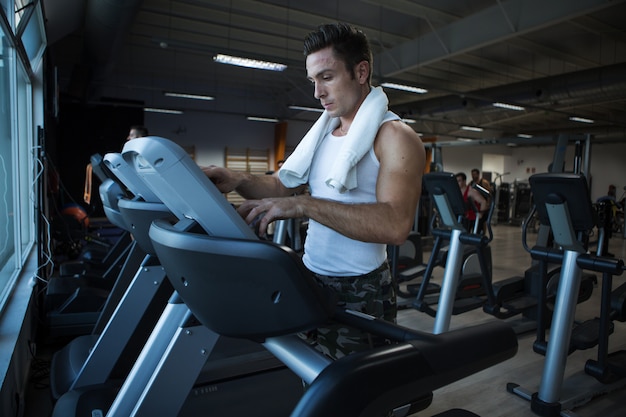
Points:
(475, 176)
(335, 87)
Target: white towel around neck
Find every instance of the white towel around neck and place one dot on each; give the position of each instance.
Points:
(359, 140)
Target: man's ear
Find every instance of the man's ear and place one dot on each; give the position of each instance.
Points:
(363, 71)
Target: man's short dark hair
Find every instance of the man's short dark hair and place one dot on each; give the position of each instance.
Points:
(349, 44)
(475, 170)
(142, 130)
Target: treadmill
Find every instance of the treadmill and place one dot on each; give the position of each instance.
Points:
(236, 286)
(90, 370)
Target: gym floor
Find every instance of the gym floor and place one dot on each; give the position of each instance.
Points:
(485, 392)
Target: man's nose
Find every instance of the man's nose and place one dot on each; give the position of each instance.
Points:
(318, 92)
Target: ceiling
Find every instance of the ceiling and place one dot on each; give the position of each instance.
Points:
(554, 58)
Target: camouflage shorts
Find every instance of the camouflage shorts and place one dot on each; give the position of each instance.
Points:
(373, 294)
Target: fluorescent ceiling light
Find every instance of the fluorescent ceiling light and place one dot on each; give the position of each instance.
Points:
(465, 139)
(580, 119)
(263, 119)
(472, 128)
(409, 121)
(402, 87)
(524, 135)
(249, 63)
(304, 108)
(191, 96)
(508, 106)
(156, 110)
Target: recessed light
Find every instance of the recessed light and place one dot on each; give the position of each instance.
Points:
(187, 95)
(249, 63)
(472, 128)
(403, 87)
(508, 106)
(305, 108)
(157, 110)
(262, 119)
(580, 119)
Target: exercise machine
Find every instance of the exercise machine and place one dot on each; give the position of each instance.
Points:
(446, 194)
(277, 298)
(91, 260)
(563, 202)
(406, 260)
(502, 299)
(73, 303)
(90, 370)
(79, 300)
(132, 306)
(518, 295)
(260, 292)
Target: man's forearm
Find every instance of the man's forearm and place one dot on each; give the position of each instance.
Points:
(368, 222)
(251, 186)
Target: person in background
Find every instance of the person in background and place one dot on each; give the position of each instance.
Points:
(137, 131)
(478, 180)
(610, 204)
(471, 196)
(354, 208)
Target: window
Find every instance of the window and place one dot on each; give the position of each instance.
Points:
(17, 138)
(7, 214)
(32, 34)
(20, 8)
(24, 169)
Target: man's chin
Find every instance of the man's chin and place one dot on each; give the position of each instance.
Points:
(332, 112)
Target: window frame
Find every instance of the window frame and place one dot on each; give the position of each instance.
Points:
(21, 144)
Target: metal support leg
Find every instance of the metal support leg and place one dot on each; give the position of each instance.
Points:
(449, 284)
(124, 321)
(177, 372)
(561, 330)
(164, 332)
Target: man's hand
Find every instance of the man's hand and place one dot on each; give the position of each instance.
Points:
(262, 212)
(224, 179)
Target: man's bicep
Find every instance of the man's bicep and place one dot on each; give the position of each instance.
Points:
(401, 173)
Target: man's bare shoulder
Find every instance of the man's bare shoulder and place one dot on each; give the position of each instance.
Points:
(397, 128)
(397, 134)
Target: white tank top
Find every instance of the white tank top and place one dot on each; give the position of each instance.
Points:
(327, 252)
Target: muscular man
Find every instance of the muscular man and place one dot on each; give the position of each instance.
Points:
(349, 224)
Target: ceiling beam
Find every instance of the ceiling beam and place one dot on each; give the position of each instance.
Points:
(415, 10)
(492, 25)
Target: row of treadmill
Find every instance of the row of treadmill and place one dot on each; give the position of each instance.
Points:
(191, 314)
